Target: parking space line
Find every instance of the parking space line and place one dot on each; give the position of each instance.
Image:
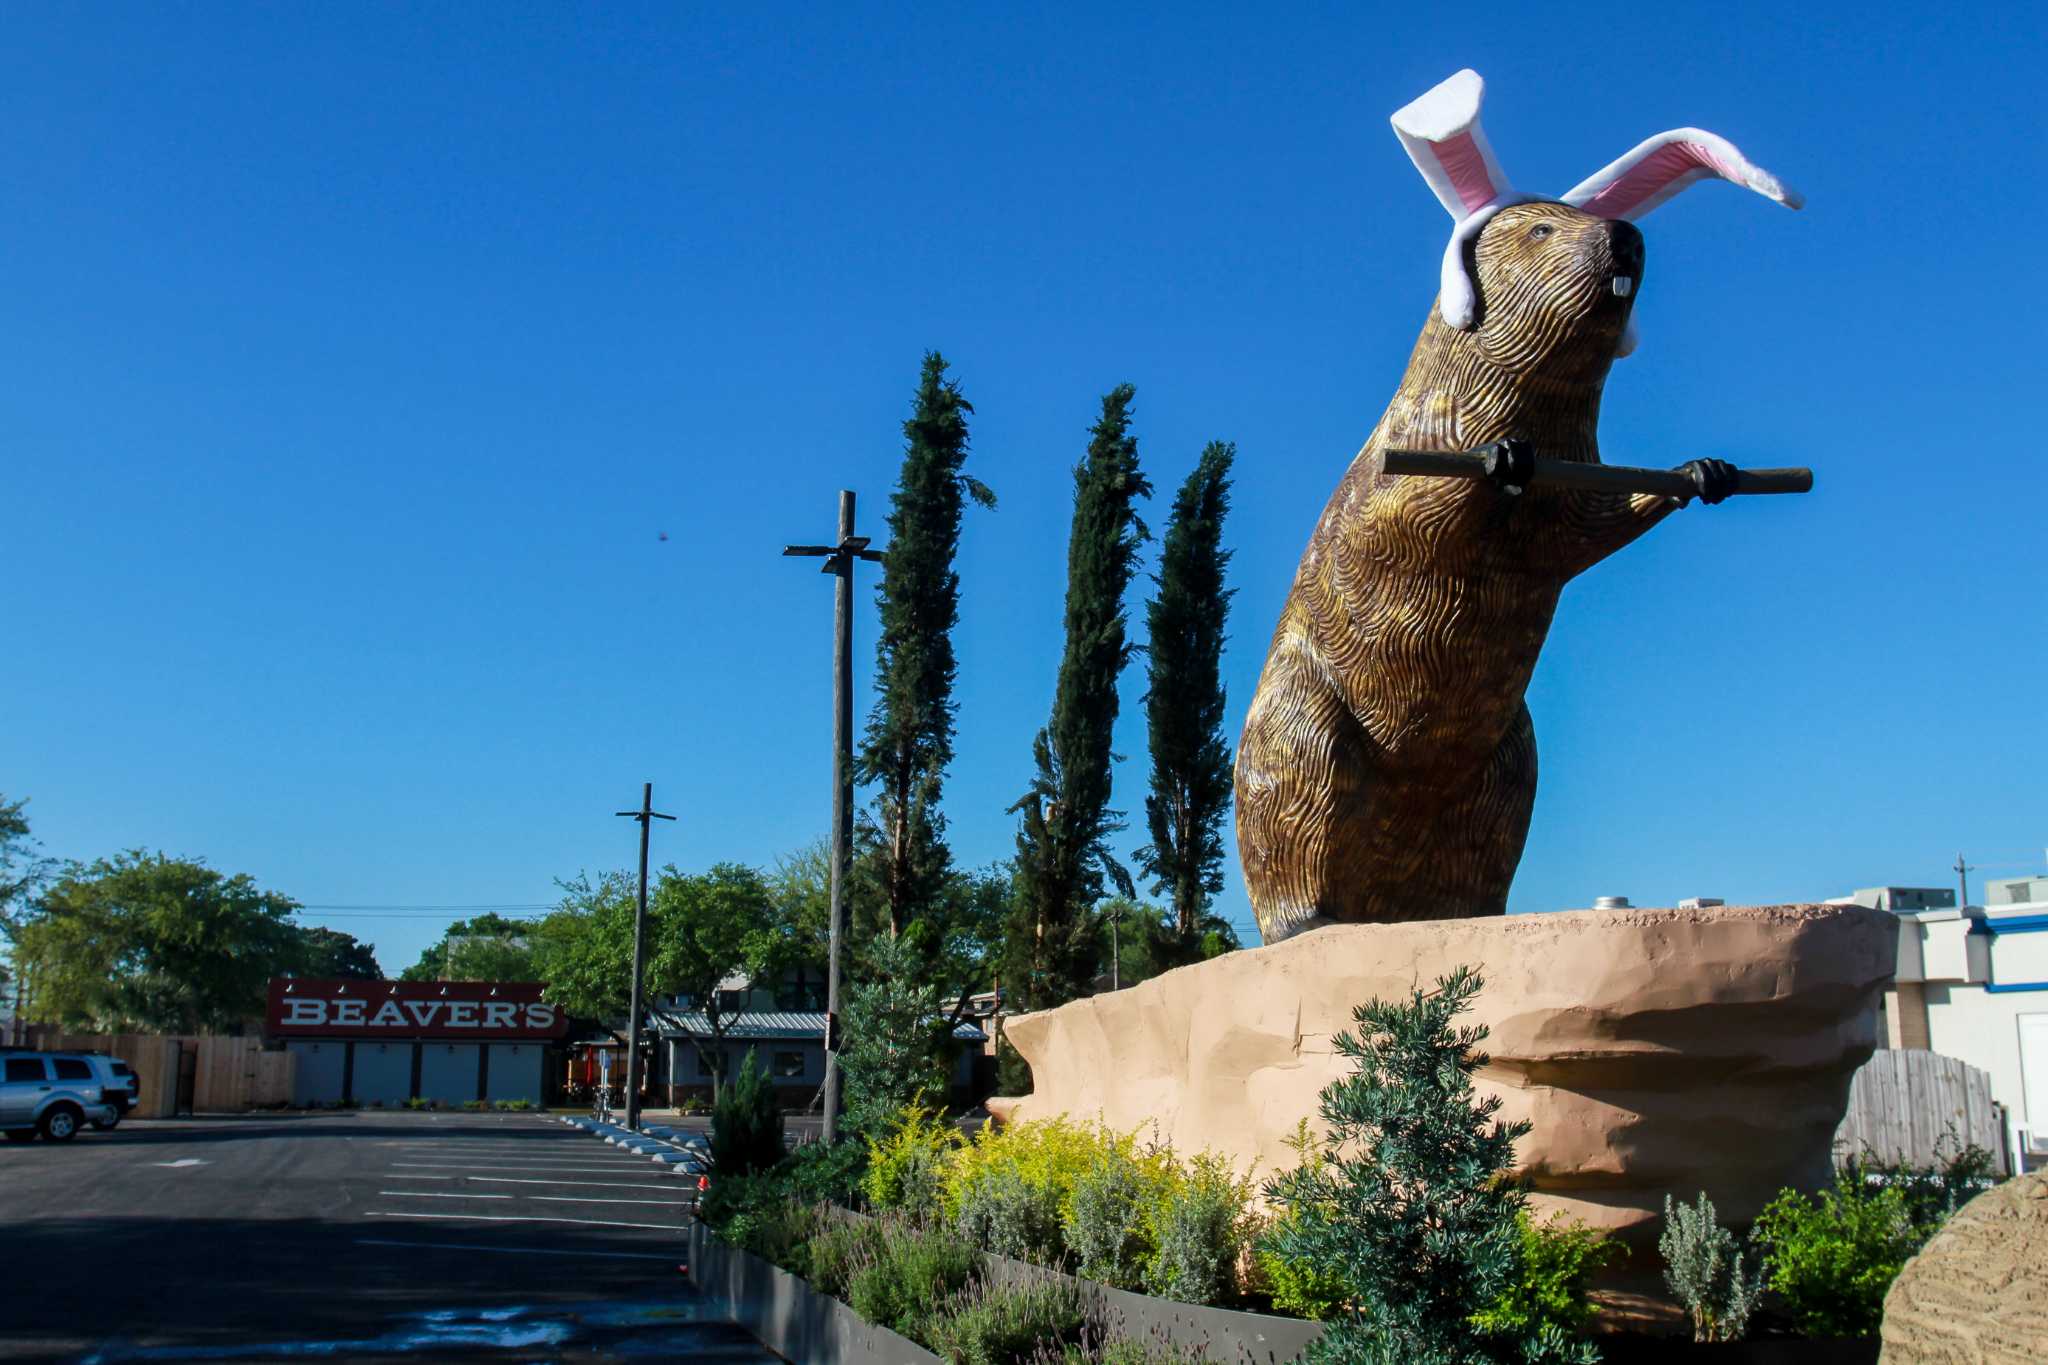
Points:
(579, 1199)
(517, 1251)
(585, 1184)
(437, 1194)
(613, 1168)
(524, 1218)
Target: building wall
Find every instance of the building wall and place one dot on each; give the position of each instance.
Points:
(1983, 1028)
(516, 1071)
(383, 1073)
(447, 1071)
(319, 1072)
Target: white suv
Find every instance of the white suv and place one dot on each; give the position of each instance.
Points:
(52, 1093)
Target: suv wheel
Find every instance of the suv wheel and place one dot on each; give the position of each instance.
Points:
(21, 1135)
(107, 1125)
(60, 1123)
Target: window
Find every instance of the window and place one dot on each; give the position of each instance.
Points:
(20, 1069)
(71, 1069)
(789, 1063)
(122, 1069)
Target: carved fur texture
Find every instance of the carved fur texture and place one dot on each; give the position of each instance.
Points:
(1388, 765)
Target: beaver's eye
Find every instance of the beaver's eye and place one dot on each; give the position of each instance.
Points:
(1541, 230)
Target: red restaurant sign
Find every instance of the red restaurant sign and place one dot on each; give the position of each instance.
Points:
(495, 1011)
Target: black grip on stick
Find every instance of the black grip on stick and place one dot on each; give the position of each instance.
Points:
(1596, 478)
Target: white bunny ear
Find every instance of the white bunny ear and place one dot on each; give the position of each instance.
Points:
(1443, 138)
(1661, 167)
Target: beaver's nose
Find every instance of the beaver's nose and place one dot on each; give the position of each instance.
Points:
(1625, 247)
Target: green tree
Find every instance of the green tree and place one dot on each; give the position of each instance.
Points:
(1411, 1201)
(909, 739)
(899, 1034)
(701, 928)
(148, 943)
(329, 954)
(488, 947)
(1063, 858)
(1191, 769)
(21, 867)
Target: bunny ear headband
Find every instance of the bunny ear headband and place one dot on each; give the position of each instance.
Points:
(1443, 138)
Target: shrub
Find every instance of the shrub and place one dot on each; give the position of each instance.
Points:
(1414, 1203)
(1198, 1234)
(746, 1125)
(1703, 1267)
(1832, 1257)
(1108, 1229)
(1961, 1171)
(1302, 1286)
(899, 1045)
(1557, 1262)
(906, 1167)
(991, 1324)
(1011, 1216)
(899, 1278)
(475, 1106)
(837, 1248)
(417, 1103)
(779, 1231)
(514, 1106)
(817, 1173)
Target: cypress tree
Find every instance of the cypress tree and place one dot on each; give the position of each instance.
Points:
(1062, 841)
(1191, 772)
(909, 739)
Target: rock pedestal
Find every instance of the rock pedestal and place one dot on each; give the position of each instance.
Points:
(1655, 1051)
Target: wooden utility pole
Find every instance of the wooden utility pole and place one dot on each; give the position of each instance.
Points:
(839, 560)
(646, 815)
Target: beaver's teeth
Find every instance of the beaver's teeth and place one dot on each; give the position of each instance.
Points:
(1623, 286)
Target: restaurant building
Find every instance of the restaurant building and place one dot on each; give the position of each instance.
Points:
(386, 1042)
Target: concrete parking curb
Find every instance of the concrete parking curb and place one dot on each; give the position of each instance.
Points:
(654, 1144)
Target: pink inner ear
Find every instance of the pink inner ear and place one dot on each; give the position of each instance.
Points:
(1656, 178)
(1466, 165)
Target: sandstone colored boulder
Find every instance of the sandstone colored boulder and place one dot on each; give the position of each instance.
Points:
(1656, 1051)
(1978, 1292)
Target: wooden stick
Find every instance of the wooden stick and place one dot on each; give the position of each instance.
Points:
(1597, 478)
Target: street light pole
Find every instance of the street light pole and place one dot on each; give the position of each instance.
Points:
(646, 815)
(839, 560)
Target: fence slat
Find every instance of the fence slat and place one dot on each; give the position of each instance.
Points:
(1919, 1107)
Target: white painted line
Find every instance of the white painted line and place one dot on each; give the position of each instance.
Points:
(579, 1199)
(580, 1184)
(430, 1177)
(438, 1194)
(515, 1251)
(182, 1162)
(525, 1218)
(619, 1169)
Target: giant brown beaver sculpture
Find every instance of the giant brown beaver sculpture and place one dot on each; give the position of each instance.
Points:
(1388, 765)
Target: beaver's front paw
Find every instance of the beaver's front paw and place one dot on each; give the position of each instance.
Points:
(1510, 464)
(1715, 479)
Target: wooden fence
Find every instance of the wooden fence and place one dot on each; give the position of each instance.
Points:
(229, 1075)
(1920, 1107)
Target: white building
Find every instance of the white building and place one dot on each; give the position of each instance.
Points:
(1973, 984)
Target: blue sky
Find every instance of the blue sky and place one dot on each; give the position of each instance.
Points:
(353, 360)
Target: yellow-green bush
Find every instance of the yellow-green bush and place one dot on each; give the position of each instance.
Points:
(906, 1168)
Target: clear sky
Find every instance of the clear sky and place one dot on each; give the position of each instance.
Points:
(355, 359)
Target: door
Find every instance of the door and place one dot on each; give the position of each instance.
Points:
(21, 1088)
(2034, 1073)
(188, 1076)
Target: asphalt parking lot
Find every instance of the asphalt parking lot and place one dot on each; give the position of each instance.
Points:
(348, 1236)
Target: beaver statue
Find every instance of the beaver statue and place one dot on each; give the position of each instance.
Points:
(1388, 765)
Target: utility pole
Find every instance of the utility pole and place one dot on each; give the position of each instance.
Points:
(839, 561)
(646, 815)
(1963, 872)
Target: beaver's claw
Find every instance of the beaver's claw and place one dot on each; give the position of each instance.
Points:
(1715, 479)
